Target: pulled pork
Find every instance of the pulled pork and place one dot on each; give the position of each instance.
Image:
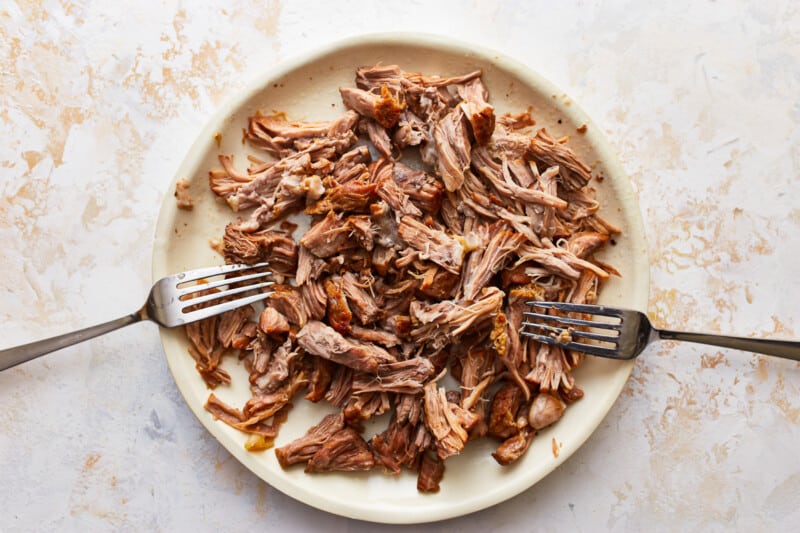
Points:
(403, 275)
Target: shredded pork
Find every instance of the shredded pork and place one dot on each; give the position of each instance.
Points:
(407, 272)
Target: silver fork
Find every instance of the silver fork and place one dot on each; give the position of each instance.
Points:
(173, 301)
(625, 334)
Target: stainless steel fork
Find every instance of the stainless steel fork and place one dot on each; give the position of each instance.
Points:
(624, 334)
(173, 301)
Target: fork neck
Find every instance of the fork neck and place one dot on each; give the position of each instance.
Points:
(21, 354)
(779, 348)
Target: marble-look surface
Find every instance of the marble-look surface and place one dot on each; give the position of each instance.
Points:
(99, 103)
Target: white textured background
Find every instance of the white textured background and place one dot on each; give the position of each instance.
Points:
(98, 106)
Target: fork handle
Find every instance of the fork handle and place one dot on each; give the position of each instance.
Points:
(20, 354)
(785, 349)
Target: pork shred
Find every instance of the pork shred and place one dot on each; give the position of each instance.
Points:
(318, 339)
(302, 449)
(275, 247)
(406, 272)
(183, 197)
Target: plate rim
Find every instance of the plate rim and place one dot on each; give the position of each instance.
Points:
(532, 77)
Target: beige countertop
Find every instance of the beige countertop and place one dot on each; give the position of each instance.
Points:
(98, 106)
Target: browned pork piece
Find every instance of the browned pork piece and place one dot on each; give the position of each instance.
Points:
(503, 339)
(438, 81)
(278, 186)
(396, 446)
(292, 177)
(309, 266)
(574, 172)
(504, 420)
(227, 181)
(318, 339)
(514, 446)
(411, 130)
(378, 336)
(384, 221)
(280, 137)
(360, 299)
(314, 299)
(351, 165)
(230, 324)
(477, 109)
(485, 263)
(448, 319)
(276, 135)
(551, 369)
(448, 422)
(377, 76)
(302, 449)
(329, 236)
(384, 107)
(353, 196)
(206, 351)
(585, 243)
(275, 247)
(431, 472)
(476, 370)
(406, 377)
(517, 345)
(236, 419)
(422, 188)
(261, 347)
(558, 260)
(290, 195)
(265, 405)
(436, 282)
(288, 301)
(339, 313)
(548, 222)
(345, 450)
(320, 378)
(379, 138)
(272, 322)
(434, 245)
(258, 409)
(281, 366)
(453, 149)
(391, 193)
(242, 339)
(409, 408)
(338, 392)
(501, 181)
(585, 290)
(512, 140)
(364, 406)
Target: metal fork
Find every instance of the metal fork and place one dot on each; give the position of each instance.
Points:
(173, 301)
(626, 333)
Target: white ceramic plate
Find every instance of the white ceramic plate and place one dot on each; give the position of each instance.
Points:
(306, 89)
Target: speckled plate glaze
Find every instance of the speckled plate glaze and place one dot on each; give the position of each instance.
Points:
(306, 89)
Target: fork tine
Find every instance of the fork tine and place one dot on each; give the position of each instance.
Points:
(576, 346)
(577, 333)
(191, 302)
(200, 273)
(185, 291)
(199, 314)
(579, 308)
(574, 321)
